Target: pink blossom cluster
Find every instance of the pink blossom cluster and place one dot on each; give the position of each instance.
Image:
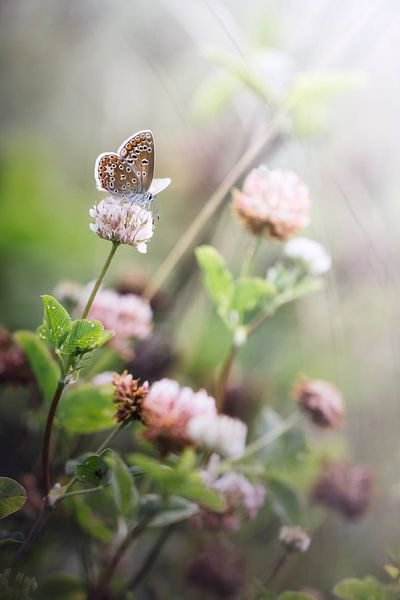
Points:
(128, 315)
(242, 500)
(275, 203)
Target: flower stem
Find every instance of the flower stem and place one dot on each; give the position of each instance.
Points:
(47, 437)
(101, 590)
(223, 378)
(271, 436)
(276, 568)
(270, 135)
(150, 558)
(99, 280)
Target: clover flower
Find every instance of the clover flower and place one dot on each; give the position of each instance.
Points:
(345, 488)
(294, 539)
(122, 222)
(321, 400)
(218, 569)
(168, 408)
(221, 433)
(312, 255)
(128, 315)
(242, 500)
(275, 203)
(128, 396)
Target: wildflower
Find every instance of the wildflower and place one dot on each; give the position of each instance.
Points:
(242, 500)
(128, 315)
(275, 203)
(344, 488)
(294, 539)
(13, 364)
(128, 396)
(321, 400)
(312, 255)
(220, 433)
(168, 408)
(123, 222)
(218, 569)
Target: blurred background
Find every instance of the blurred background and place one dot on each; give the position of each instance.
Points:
(79, 77)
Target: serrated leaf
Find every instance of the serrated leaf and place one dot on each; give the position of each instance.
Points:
(92, 470)
(87, 409)
(56, 322)
(251, 292)
(44, 367)
(85, 336)
(122, 485)
(12, 496)
(217, 278)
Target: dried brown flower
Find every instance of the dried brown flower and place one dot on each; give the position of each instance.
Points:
(345, 488)
(321, 400)
(128, 396)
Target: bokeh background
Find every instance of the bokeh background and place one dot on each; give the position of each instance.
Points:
(79, 77)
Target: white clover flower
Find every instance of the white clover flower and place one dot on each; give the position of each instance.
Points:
(123, 222)
(312, 254)
(294, 538)
(220, 433)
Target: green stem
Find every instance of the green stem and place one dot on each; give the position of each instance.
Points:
(99, 280)
(276, 568)
(271, 436)
(248, 263)
(223, 378)
(47, 437)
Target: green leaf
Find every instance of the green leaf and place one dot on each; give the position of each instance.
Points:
(44, 367)
(294, 596)
(284, 501)
(88, 520)
(251, 292)
(364, 589)
(87, 409)
(85, 336)
(122, 485)
(12, 496)
(11, 537)
(217, 279)
(56, 322)
(174, 510)
(61, 587)
(93, 470)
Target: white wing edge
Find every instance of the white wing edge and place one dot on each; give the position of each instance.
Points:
(158, 185)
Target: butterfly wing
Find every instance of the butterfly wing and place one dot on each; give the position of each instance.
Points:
(138, 149)
(117, 175)
(158, 185)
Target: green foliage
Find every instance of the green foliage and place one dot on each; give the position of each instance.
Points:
(122, 485)
(181, 478)
(88, 520)
(44, 367)
(233, 299)
(61, 587)
(70, 337)
(87, 409)
(167, 511)
(92, 470)
(12, 496)
(294, 596)
(284, 501)
(11, 537)
(365, 589)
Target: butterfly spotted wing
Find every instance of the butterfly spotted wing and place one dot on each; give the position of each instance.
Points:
(129, 171)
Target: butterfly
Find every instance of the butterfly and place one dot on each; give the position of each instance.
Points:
(128, 173)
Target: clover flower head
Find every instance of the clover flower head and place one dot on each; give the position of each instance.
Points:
(322, 402)
(294, 539)
(123, 222)
(275, 203)
(128, 315)
(345, 488)
(129, 395)
(168, 408)
(309, 253)
(242, 500)
(221, 433)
